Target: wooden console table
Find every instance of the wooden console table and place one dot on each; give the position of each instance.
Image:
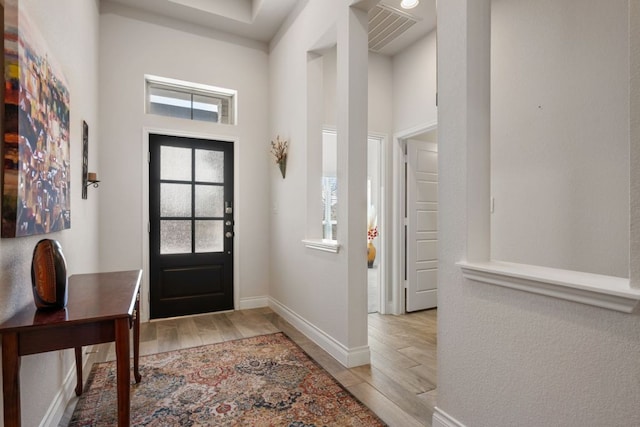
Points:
(102, 308)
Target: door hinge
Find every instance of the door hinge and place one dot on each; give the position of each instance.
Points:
(406, 158)
(148, 156)
(406, 284)
(148, 227)
(405, 221)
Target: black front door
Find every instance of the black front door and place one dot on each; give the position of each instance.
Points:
(191, 225)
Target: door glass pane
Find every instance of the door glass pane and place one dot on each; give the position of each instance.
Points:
(175, 163)
(209, 236)
(175, 200)
(209, 166)
(175, 237)
(209, 201)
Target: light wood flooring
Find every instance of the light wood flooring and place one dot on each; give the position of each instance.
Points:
(399, 385)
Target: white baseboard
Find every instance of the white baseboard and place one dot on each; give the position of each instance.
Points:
(442, 419)
(253, 302)
(347, 357)
(67, 391)
(56, 410)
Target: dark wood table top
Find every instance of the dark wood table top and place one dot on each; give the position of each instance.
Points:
(92, 297)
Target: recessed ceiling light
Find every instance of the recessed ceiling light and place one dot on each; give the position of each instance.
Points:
(409, 4)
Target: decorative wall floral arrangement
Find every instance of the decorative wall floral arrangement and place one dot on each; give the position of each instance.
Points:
(280, 149)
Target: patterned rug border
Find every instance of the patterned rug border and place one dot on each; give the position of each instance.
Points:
(335, 380)
(95, 366)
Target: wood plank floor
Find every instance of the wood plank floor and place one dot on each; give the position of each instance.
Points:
(399, 385)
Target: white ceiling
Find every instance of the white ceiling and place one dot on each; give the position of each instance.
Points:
(260, 19)
(254, 19)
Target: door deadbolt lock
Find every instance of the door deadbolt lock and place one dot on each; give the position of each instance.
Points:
(228, 234)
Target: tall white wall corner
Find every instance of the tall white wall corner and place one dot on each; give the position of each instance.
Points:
(352, 102)
(634, 141)
(442, 419)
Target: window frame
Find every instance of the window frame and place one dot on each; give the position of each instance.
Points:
(219, 94)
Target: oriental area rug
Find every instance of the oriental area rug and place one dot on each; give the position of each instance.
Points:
(261, 381)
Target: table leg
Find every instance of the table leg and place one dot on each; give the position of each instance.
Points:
(11, 379)
(136, 341)
(78, 371)
(123, 374)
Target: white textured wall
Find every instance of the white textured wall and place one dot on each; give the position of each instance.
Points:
(70, 27)
(414, 85)
(315, 285)
(329, 83)
(560, 134)
(380, 94)
(131, 48)
(634, 151)
(380, 99)
(507, 357)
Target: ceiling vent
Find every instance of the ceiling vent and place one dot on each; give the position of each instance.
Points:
(386, 24)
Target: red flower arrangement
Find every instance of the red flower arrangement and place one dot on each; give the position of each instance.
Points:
(372, 233)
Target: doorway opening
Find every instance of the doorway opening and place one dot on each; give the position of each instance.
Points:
(375, 226)
(415, 206)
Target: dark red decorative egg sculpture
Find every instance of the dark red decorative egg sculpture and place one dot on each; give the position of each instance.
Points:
(49, 275)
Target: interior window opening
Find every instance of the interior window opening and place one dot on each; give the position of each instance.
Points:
(329, 185)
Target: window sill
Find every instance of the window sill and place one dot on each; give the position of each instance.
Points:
(613, 293)
(322, 245)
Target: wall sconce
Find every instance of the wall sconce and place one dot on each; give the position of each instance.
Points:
(88, 178)
(91, 178)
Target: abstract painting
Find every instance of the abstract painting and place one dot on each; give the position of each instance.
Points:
(36, 180)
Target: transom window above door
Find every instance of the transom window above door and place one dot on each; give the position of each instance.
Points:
(191, 101)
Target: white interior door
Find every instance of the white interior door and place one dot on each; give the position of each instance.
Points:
(422, 225)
